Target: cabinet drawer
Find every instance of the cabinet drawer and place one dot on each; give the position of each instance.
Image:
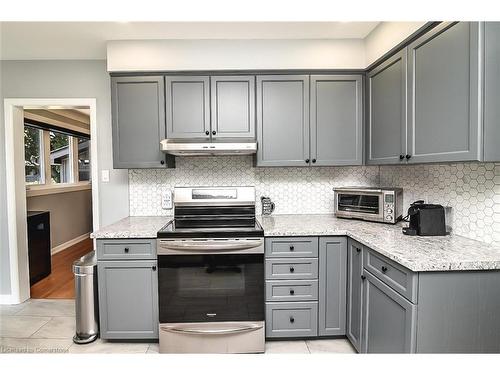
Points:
(294, 290)
(292, 269)
(294, 319)
(292, 247)
(126, 249)
(399, 278)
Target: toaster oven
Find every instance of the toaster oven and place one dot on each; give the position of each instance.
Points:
(384, 205)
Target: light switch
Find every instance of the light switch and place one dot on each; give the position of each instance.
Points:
(166, 200)
(105, 175)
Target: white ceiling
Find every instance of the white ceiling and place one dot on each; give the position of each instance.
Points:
(87, 40)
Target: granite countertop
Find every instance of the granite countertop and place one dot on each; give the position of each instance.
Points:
(133, 227)
(449, 253)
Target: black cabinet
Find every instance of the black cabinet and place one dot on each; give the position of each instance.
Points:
(39, 245)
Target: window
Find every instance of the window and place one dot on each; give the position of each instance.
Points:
(83, 159)
(33, 156)
(60, 159)
(55, 157)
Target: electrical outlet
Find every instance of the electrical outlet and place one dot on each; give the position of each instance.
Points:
(166, 200)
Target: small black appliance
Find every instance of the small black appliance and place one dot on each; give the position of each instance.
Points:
(426, 220)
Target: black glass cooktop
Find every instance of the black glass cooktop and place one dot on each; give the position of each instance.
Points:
(211, 229)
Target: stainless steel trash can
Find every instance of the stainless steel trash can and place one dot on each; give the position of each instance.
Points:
(87, 311)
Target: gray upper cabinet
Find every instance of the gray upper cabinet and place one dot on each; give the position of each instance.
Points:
(336, 120)
(233, 106)
(138, 121)
(389, 319)
(128, 299)
(386, 119)
(188, 106)
(283, 120)
(354, 292)
(443, 106)
(332, 285)
(491, 91)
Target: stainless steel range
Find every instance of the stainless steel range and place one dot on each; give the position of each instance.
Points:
(211, 273)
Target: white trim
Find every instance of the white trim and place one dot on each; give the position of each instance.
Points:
(6, 299)
(16, 188)
(65, 245)
(36, 190)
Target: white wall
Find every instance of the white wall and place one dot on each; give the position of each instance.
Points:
(386, 36)
(64, 79)
(176, 54)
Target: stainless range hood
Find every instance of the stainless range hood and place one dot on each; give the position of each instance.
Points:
(180, 147)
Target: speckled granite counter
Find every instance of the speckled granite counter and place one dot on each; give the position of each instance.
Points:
(450, 253)
(447, 253)
(133, 227)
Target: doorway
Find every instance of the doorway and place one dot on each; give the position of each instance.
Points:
(58, 196)
(51, 159)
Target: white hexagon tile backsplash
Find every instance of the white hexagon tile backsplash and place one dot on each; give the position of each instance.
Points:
(472, 189)
(294, 190)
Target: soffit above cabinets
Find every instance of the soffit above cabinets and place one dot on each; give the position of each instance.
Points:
(87, 40)
(206, 45)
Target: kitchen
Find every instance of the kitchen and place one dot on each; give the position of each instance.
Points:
(261, 206)
(216, 116)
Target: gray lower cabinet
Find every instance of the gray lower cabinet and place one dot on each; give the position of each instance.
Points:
(443, 106)
(354, 292)
(138, 121)
(389, 319)
(283, 120)
(188, 106)
(128, 299)
(297, 319)
(458, 312)
(491, 91)
(336, 120)
(233, 106)
(332, 286)
(386, 118)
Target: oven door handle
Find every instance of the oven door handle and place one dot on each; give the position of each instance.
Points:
(221, 331)
(207, 246)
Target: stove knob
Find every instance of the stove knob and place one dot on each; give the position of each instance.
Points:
(388, 217)
(389, 210)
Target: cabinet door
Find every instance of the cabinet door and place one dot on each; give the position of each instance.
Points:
(443, 75)
(389, 320)
(188, 107)
(138, 117)
(354, 292)
(491, 91)
(233, 106)
(128, 299)
(336, 120)
(332, 285)
(386, 133)
(283, 120)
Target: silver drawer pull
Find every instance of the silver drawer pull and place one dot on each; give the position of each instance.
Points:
(222, 331)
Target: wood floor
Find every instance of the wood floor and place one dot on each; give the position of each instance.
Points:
(60, 283)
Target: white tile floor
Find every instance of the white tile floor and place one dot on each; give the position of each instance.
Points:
(48, 326)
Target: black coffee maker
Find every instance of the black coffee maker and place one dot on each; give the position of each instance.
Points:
(426, 220)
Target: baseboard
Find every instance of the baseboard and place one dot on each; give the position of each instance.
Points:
(69, 243)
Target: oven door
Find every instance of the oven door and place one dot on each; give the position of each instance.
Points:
(360, 205)
(211, 287)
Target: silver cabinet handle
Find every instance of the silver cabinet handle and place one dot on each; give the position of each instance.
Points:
(211, 245)
(222, 331)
